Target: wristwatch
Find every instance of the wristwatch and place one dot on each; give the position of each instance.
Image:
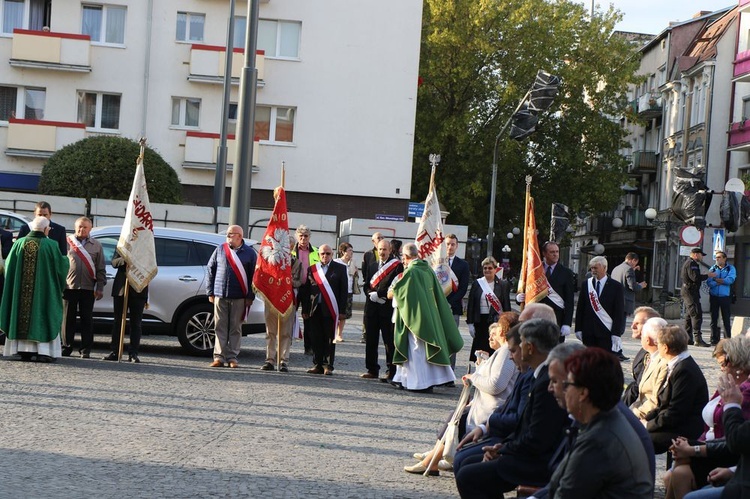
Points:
(697, 450)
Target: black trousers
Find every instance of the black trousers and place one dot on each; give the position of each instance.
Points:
(322, 331)
(723, 304)
(79, 302)
(694, 314)
(377, 325)
(481, 339)
(135, 319)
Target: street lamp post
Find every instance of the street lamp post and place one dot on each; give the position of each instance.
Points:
(667, 224)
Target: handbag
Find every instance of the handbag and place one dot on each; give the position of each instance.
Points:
(451, 441)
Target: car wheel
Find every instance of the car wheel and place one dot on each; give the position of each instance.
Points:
(195, 329)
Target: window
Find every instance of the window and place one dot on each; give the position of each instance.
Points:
(276, 38)
(232, 121)
(22, 103)
(745, 108)
(97, 110)
(104, 23)
(186, 112)
(190, 27)
(274, 124)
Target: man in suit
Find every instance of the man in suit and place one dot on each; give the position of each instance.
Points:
(460, 269)
(324, 305)
(523, 456)
(625, 275)
(641, 359)
(370, 257)
(379, 311)
(600, 319)
(56, 231)
(682, 397)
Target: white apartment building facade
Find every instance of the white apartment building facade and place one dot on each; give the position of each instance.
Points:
(336, 96)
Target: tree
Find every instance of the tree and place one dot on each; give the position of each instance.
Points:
(478, 59)
(103, 167)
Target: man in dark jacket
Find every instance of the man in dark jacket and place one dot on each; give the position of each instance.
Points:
(56, 231)
(691, 295)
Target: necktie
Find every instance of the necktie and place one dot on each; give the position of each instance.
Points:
(450, 262)
(597, 287)
(380, 265)
(549, 271)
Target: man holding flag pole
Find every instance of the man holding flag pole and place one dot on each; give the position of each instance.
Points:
(136, 262)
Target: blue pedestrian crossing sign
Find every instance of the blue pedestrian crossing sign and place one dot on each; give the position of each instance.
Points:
(719, 241)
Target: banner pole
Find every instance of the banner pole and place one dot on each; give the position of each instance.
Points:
(524, 249)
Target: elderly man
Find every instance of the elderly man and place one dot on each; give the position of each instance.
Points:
(690, 292)
(85, 284)
(324, 305)
(425, 334)
(655, 372)
(625, 275)
(600, 316)
(229, 278)
(306, 255)
(379, 311)
(522, 457)
(640, 361)
(682, 397)
(56, 231)
(31, 310)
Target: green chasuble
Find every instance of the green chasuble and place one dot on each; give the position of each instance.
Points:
(424, 311)
(32, 306)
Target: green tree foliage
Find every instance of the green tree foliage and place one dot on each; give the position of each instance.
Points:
(104, 167)
(478, 59)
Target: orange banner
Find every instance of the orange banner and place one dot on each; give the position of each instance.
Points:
(532, 280)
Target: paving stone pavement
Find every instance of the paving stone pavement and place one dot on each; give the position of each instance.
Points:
(173, 427)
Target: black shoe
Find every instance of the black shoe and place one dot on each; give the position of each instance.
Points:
(85, 355)
(621, 356)
(133, 357)
(111, 356)
(450, 384)
(283, 368)
(66, 351)
(691, 342)
(266, 367)
(424, 390)
(45, 359)
(700, 343)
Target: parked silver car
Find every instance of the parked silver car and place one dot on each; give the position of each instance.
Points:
(177, 303)
(12, 221)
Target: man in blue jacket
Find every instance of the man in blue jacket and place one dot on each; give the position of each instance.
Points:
(720, 295)
(229, 279)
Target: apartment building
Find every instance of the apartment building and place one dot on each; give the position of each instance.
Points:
(336, 97)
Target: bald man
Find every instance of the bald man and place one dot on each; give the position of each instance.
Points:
(229, 286)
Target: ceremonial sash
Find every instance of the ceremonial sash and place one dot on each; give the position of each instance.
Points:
(597, 307)
(383, 272)
(554, 296)
(490, 295)
(236, 265)
(326, 291)
(76, 246)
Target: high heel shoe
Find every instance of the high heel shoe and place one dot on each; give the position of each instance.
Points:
(133, 357)
(419, 469)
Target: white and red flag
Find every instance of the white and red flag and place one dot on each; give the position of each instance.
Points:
(273, 272)
(431, 240)
(136, 244)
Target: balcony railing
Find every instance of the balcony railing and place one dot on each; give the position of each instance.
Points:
(742, 66)
(48, 50)
(649, 105)
(39, 138)
(207, 63)
(201, 151)
(645, 162)
(739, 136)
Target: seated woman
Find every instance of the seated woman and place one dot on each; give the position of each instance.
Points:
(493, 382)
(694, 460)
(607, 459)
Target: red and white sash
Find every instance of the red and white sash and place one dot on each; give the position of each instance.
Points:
(383, 272)
(554, 296)
(597, 307)
(326, 291)
(236, 265)
(490, 295)
(88, 262)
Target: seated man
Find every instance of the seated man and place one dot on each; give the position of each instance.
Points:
(682, 397)
(523, 456)
(653, 377)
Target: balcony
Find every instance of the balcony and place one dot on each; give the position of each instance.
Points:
(744, 5)
(48, 50)
(742, 66)
(739, 136)
(644, 162)
(207, 64)
(649, 106)
(40, 139)
(201, 151)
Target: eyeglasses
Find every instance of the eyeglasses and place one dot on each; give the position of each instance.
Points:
(566, 384)
(232, 234)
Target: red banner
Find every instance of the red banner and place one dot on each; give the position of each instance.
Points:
(532, 281)
(273, 272)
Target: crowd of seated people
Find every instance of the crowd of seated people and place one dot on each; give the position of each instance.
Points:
(563, 430)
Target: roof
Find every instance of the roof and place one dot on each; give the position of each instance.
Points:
(704, 45)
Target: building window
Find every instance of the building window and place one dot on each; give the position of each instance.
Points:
(104, 23)
(274, 124)
(232, 121)
(186, 112)
(190, 27)
(97, 110)
(275, 38)
(22, 103)
(745, 108)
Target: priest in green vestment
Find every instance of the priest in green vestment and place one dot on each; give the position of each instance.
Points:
(425, 334)
(31, 310)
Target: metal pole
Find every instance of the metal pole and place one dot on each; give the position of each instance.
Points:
(665, 285)
(220, 180)
(243, 167)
